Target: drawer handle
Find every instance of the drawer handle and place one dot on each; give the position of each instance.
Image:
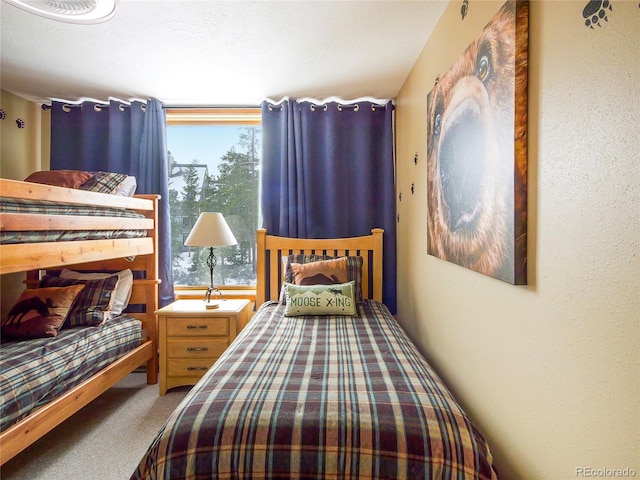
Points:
(197, 349)
(197, 368)
(191, 327)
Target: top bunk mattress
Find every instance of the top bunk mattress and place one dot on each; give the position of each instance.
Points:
(42, 207)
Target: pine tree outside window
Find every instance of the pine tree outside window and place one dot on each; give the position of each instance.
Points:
(214, 162)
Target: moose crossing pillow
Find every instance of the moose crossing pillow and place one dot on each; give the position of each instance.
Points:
(39, 312)
(336, 299)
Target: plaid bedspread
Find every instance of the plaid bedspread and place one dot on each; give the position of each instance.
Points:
(9, 205)
(33, 372)
(319, 398)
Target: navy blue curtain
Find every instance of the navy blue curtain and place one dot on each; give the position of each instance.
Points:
(121, 138)
(328, 172)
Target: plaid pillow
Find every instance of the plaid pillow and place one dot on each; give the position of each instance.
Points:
(91, 306)
(122, 293)
(103, 182)
(354, 269)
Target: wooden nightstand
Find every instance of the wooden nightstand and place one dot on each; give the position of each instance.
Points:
(191, 338)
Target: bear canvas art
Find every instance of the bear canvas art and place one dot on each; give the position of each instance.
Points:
(477, 152)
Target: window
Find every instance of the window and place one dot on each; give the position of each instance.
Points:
(214, 167)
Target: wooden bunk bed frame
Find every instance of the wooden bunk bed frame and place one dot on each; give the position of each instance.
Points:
(272, 248)
(83, 255)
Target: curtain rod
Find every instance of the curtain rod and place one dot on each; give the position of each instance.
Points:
(97, 107)
(200, 107)
(323, 107)
(164, 107)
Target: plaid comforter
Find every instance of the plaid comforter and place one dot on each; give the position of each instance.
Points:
(10, 205)
(34, 372)
(319, 398)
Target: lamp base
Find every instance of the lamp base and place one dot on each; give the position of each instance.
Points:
(210, 305)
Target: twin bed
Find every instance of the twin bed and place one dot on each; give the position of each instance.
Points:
(319, 396)
(307, 396)
(43, 381)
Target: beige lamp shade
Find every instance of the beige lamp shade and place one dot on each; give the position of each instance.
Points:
(210, 230)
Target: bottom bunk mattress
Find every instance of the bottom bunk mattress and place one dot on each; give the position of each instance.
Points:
(319, 397)
(34, 372)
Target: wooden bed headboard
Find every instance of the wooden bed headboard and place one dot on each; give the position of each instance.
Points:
(271, 249)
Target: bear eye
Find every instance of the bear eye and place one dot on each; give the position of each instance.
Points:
(437, 125)
(483, 68)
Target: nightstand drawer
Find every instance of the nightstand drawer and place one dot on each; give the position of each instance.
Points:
(197, 326)
(181, 367)
(196, 347)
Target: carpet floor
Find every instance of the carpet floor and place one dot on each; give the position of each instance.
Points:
(105, 440)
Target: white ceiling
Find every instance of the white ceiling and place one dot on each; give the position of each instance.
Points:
(198, 52)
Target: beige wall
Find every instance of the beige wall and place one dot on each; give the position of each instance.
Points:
(22, 152)
(549, 371)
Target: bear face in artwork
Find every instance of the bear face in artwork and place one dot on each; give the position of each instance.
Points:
(471, 153)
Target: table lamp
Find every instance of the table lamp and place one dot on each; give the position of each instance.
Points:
(210, 230)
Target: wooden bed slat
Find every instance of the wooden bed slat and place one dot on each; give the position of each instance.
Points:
(138, 263)
(38, 222)
(37, 191)
(18, 258)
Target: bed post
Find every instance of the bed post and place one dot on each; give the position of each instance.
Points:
(377, 263)
(151, 288)
(261, 267)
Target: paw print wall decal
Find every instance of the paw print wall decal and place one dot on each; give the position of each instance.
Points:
(464, 9)
(595, 11)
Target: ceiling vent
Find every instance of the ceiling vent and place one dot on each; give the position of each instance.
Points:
(70, 11)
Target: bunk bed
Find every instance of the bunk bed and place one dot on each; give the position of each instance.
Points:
(306, 394)
(82, 251)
